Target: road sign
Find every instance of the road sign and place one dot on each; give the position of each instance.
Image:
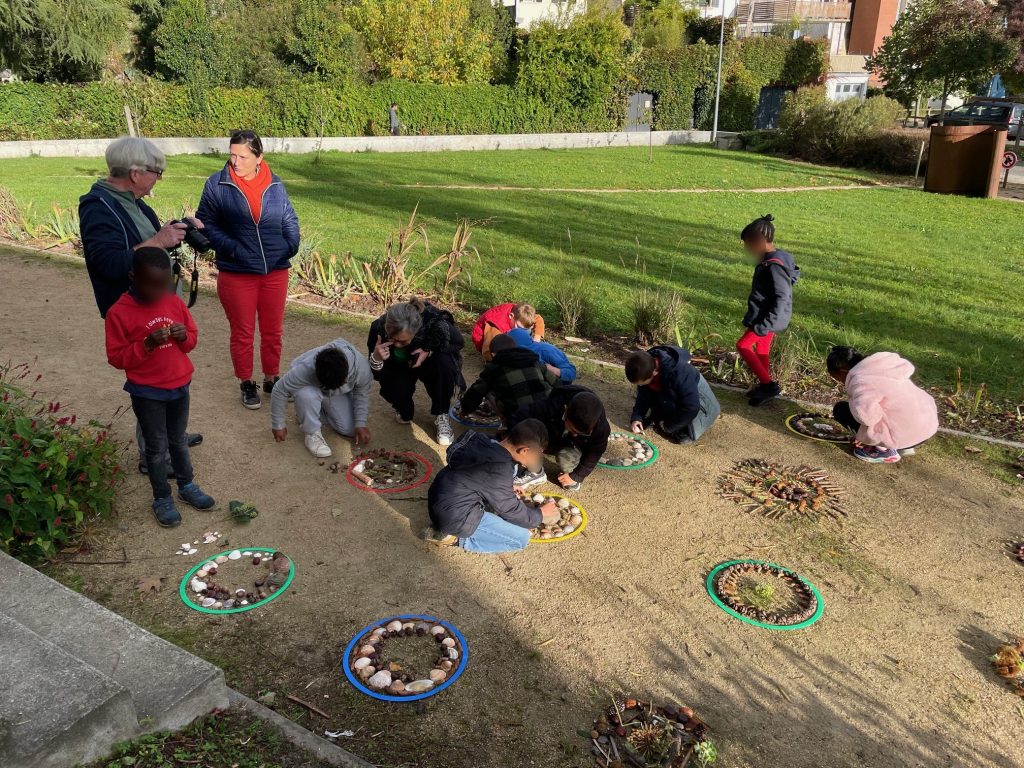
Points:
(1010, 159)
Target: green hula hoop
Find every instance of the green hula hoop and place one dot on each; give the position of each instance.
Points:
(642, 439)
(710, 586)
(183, 588)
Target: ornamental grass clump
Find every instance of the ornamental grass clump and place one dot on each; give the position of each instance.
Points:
(57, 474)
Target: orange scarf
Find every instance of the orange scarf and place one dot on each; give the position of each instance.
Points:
(254, 188)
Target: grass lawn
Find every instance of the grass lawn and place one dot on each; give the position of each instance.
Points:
(934, 278)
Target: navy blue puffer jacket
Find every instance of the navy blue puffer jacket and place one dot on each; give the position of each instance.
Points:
(241, 245)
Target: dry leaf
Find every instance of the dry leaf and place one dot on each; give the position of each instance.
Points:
(150, 584)
(972, 449)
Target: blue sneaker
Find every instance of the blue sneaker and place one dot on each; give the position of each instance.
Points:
(166, 513)
(875, 455)
(194, 496)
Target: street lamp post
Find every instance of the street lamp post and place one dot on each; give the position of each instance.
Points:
(718, 83)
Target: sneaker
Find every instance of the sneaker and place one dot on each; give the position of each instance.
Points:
(192, 439)
(527, 479)
(434, 536)
(317, 446)
(166, 513)
(907, 452)
(401, 419)
(876, 455)
(572, 488)
(195, 496)
(764, 393)
(444, 430)
(268, 384)
(250, 395)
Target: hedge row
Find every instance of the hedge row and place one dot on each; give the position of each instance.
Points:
(96, 110)
(683, 81)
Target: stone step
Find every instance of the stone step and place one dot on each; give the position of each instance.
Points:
(55, 710)
(169, 687)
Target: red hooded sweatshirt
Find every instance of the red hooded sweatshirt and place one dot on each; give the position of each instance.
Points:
(129, 322)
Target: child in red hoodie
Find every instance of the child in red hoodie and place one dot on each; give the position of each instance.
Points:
(149, 335)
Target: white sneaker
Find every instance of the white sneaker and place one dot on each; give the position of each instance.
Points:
(526, 479)
(907, 452)
(317, 446)
(400, 420)
(444, 430)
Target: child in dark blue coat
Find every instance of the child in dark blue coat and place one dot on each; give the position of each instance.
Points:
(472, 501)
(769, 307)
(671, 395)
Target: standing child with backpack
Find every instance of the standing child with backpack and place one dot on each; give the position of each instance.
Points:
(769, 307)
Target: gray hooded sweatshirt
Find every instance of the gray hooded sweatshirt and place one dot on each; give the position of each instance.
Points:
(303, 374)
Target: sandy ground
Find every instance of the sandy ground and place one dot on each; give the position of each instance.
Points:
(917, 590)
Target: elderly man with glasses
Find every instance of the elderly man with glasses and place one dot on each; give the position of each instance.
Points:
(115, 222)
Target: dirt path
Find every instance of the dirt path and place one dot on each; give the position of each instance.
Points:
(916, 588)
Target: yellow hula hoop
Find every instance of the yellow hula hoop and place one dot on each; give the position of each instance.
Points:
(574, 534)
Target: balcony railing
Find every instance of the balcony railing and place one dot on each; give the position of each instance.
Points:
(781, 11)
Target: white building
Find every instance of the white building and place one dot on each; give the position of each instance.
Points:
(528, 12)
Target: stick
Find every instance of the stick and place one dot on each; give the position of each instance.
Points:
(603, 753)
(550, 640)
(307, 705)
(361, 477)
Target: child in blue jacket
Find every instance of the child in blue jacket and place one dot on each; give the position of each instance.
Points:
(671, 395)
(550, 355)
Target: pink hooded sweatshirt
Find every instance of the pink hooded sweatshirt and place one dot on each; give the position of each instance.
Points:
(893, 411)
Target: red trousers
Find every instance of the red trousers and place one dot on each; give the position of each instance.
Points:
(247, 298)
(756, 353)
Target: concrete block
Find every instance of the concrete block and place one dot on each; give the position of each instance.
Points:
(169, 686)
(55, 711)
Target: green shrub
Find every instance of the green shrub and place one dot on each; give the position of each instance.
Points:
(741, 93)
(55, 474)
(656, 315)
(853, 132)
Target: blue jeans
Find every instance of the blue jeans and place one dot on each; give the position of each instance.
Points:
(495, 535)
(163, 425)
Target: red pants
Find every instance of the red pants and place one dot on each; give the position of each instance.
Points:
(756, 352)
(244, 298)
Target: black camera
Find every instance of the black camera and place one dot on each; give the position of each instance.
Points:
(194, 235)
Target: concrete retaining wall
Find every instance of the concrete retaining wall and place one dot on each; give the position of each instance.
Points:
(200, 146)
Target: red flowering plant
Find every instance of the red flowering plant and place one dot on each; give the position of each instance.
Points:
(56, 473)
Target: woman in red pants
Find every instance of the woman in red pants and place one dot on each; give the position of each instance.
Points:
(255, 232)
(769, 307)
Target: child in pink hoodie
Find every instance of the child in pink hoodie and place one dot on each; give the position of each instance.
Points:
(888, 412)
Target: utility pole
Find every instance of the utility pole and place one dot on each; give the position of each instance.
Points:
(718, 83)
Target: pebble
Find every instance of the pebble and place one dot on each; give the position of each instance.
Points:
(419, 686)
(247, 554)
(446, 665)
(394, 626)
(201, 574)
(422, 628)
(396, 688)
(437, 630)
(379, 631)
(453, 654)
(361, 662)
(409, 626)
(229, 603)
(221, 559)
(366, 672)
(244, 602)
(367, 650)
(198, 585)
(380, 680)
(564, 503)
(208, 602)
(218, 605)
(438, 675)
(193, 551)
(240, 593)
(538, 498)
(448, 642)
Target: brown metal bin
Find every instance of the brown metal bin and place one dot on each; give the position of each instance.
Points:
(965, 160)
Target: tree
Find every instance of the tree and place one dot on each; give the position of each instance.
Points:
(663, 24)
(946, 46)
(578, 67)
(323, 43)
(1012, 12)
(61, 39)
(425, 41)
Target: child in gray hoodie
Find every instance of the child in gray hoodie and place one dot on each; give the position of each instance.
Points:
(329, 383)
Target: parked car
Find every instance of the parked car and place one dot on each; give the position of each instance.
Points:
(1000, 112)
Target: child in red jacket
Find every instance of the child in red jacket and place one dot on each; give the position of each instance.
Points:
(502, 319)
(149, 335)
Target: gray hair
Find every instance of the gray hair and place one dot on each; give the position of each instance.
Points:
(404, 318)
(133, 153)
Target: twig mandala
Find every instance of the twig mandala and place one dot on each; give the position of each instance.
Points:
(777, 491)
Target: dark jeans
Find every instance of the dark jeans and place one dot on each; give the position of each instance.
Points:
(439, 375)
(163, 425)
(841, 412)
